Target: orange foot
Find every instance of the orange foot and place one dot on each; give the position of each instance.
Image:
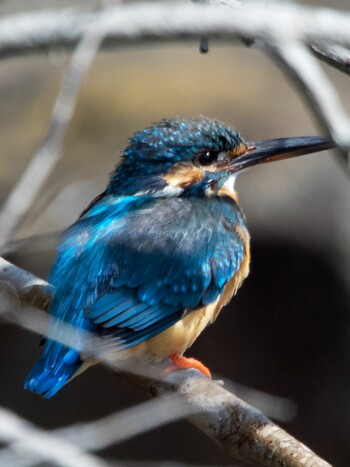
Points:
(182, 363)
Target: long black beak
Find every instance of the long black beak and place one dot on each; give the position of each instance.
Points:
(278, 149)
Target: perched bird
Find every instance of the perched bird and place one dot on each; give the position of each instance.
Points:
(152, 260)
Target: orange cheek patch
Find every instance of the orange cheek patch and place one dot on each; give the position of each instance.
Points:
(182, 175)
(238, 150)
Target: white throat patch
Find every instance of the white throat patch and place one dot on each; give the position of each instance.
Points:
(229, 185)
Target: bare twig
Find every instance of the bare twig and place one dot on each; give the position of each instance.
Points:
(113, 429)
(143, 22)
(241, 430)
(28, 440)
(131, 422)
(45, 159)
(127, 424)
(334, 55)
(295, 59)
(37, 32)
(299, 64)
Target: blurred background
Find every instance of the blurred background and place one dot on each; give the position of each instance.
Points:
(287, 331)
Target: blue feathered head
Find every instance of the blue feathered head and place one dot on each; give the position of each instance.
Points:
(179, 152)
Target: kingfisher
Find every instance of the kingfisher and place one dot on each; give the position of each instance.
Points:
(154, 258)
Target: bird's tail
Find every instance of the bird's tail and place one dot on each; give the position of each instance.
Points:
(53, 370)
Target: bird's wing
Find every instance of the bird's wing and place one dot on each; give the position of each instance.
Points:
(158, 262)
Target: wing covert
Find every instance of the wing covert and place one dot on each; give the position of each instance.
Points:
(165, 258)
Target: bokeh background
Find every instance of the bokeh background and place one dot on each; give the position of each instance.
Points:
(287, 330)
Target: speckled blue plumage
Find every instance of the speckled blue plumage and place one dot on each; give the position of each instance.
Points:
(134, 264)
(152, 151)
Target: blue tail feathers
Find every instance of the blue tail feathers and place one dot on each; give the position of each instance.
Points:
(49, 374)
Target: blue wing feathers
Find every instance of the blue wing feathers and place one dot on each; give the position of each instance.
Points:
(118, 313)
(58, 363)
(129, 337)
(123, 318)
(47, 379)
(147, 318)
(107, 301)
(188, 275)
(130, 267)
(211, 294)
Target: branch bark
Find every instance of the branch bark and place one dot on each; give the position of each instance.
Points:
(241, 430)
(334, 55)
(39, 32)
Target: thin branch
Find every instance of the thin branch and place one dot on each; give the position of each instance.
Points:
(334, 55)
(126, 424)
(114, 428)
(290, 24)
(28, 440)
(38, 32)
(131, 422)
(242, 431)
(45, 159)
(296, 60)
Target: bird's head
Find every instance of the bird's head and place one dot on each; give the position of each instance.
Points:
(196, 156)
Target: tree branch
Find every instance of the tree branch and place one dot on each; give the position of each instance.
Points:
(295, 59)
(241, 430)
(45, 159)
(28, 440)
(334, 55)
(142, 22)
(39, 32)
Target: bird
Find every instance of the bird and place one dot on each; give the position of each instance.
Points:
(150, 263)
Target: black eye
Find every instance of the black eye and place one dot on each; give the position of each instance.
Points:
(208, 158)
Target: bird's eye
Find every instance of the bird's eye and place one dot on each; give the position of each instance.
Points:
(208, 158)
